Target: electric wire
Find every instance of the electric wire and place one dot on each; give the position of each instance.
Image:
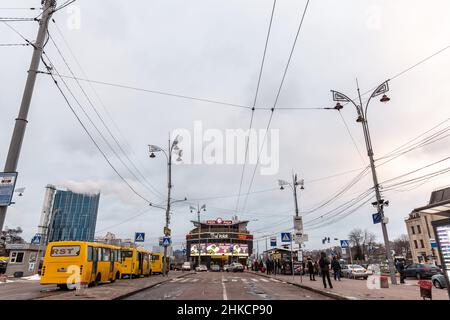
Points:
(254, 105)
(276, 101)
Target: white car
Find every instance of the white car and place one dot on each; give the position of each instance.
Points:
(201, 268)
(186, 266)
(354, 271)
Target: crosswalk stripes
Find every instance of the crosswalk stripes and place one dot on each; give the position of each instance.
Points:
(234, 279)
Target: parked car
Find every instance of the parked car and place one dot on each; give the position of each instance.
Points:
(226, 267)
(215, 267)
(236, 267)
(200, 268)
(354, 271)
(186, 266)
(438, 281)
(421, 270)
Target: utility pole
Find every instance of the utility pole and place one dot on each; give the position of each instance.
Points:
(203, 207)
(169, 188)
(173, 147)
(21, 122)
(362, 118)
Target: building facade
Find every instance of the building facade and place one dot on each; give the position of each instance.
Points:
(420, 231)
(74, 216)
(219, 242)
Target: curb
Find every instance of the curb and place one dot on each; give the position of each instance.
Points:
(324, 293)
(125, 295)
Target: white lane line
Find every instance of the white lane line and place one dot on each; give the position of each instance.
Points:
(274, 280)
(255, 280)
(264, 280)
(176, 279)
(234, 280)
(185, 280)
(195, 279)
(225, 297)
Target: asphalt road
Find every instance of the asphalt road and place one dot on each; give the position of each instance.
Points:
(226, 286)
(26, 290)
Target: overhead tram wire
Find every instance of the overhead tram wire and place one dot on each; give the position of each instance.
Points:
(353, 139)
(87, 131)
(174, 95)
(143, 183)
(18, 33)
(276, 101)
(254, 104)
(107, 112)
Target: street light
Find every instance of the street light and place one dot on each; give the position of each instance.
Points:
(362, 118)
(293, 185)
(198, 209)
(172, 149)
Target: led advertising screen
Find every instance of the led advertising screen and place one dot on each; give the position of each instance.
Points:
(219, 249)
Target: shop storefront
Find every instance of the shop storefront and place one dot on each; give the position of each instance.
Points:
(219, 242)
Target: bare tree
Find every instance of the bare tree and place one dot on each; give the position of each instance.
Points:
(356, 237)
(401, 246)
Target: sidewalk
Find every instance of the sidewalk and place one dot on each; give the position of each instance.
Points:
(351, 289)
(117, 290)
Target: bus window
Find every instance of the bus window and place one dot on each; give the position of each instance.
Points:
(127, 254)
(106, 254)
(90, 253)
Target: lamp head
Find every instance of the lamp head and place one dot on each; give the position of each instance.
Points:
(152, 155)
(281, 188)
(385, 98)
(338, 106)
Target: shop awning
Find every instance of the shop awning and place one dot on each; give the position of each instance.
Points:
(441, 208)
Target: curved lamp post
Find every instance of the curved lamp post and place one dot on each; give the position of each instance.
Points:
(362, 118)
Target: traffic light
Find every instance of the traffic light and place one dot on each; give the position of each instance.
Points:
(328, 239)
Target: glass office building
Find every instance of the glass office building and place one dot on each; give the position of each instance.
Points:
(74, 216)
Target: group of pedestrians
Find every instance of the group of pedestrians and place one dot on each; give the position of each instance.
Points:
(322, 267)
(273, 267)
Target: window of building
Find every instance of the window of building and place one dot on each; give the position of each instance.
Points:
(17, 257)
(412, 229)
(415, 244)
(422, 245)
(418, 229)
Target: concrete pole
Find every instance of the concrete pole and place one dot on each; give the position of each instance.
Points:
(21, 122)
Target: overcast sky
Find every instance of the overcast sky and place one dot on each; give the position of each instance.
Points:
(213, 50)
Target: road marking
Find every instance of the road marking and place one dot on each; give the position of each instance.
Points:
(265, 280)
(224, 280)
(195, 279)
(274, 280)
(185, 280)
(176, 279)
(234, 280)
(255, 280)
(244, 280)
(225, 297)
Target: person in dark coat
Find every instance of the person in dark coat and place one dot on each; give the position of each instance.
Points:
(401, 270)
(311, 270)
(336, 266)
(324, 264)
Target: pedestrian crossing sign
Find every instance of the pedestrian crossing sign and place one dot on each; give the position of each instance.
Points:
(344, 243)
(166, 241)
(285, 237)
(139, 237)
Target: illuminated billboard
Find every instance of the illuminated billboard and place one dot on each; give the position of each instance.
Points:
(219, 249)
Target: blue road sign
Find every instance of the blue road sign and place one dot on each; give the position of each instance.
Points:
(273, 242)
(36, 239)
(139, 236)
(285, 237)
(345, 244)
(166, 241)
(376, 218)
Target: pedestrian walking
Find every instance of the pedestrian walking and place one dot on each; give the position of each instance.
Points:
(311, 270)
(324, 264)
(316, 268)
(336, 266)
(401, 270)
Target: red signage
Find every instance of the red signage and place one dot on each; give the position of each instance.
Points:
(219, 221)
